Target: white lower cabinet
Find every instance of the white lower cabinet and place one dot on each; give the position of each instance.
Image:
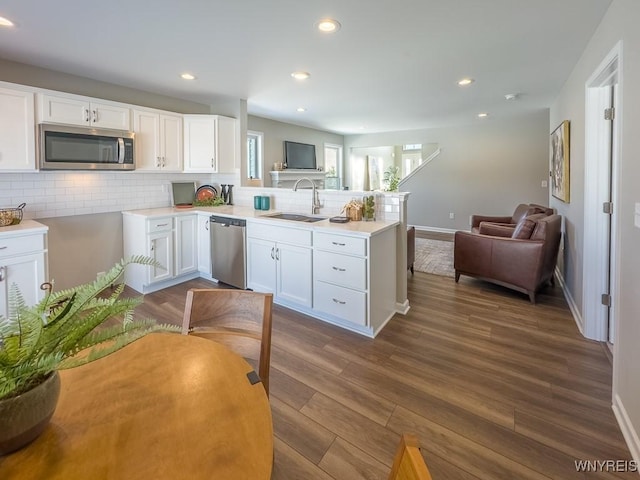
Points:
(354, 279)
(23, 262)
(340, 277)
(186, 252)
(345, 303)
(170, 240)
(160, 248)
(279, 261)
(204, 245)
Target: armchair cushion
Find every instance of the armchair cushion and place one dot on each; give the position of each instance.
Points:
(524, 229)
(495, 229)
(522, 211)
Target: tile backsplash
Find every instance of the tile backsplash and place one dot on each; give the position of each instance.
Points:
(59, 194)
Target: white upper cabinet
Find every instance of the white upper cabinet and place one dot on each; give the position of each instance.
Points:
(74, 110)
(209, 144)
(17, 130)
(158, 141)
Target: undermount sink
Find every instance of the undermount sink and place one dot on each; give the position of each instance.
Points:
(296, 217)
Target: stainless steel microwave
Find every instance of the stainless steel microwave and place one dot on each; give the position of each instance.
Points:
(63, 147)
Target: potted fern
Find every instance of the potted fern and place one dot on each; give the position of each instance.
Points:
(65, 329)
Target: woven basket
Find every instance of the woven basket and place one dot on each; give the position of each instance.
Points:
(11, 216)
(354, 214)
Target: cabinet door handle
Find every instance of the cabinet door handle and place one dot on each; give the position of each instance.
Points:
(277, 254)
(1, 274)
(161, 224)
(206, 225)
(153, 245)
(338, 269)
(4, 248)
(157, 161)
(272, 255)
(163, 161)
(339, 244)
(335, 300)
(95, 115)
(86, 114)
(213, 163)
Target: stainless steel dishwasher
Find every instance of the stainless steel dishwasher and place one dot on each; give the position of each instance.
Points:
(228, 250)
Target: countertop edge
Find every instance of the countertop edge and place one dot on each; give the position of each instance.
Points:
(247, 213)
(25, 227)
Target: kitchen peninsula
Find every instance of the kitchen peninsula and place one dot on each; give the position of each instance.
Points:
(344, 274)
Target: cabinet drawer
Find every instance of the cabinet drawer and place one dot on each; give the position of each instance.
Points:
(341, 302)
(159, 224)
(342, 270)
(340, 243)
(12, 246)
(293, 236)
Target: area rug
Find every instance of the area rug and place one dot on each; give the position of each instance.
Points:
(434, 256)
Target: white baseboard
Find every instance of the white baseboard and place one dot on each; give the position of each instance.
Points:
(628, 432)
(434, 229)
(403, 308)
(577, 317)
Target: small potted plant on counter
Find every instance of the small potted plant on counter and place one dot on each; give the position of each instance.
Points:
(369, 208)
(63, 330)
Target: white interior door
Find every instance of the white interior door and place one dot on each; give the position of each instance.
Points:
(600, 201)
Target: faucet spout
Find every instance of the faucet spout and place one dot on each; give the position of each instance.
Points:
(315, 201)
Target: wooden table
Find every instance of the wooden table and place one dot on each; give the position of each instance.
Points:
(167, 406)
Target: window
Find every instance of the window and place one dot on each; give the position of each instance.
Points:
(333, 165)
(412, 146)
(254, 155)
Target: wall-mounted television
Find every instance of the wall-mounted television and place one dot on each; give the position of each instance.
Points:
(299, 155)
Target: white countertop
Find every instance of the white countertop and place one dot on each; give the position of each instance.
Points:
(262, 216)
(25, 227)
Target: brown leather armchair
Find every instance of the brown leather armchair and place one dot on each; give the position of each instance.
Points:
(491, 225)
(523, 264)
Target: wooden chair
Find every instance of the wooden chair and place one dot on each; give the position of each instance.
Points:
(408, 463)
(239, 319)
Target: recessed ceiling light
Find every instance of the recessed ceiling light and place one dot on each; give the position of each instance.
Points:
(301, 109)
(300, 75)
(328, 25)
(511, 96)
(5, 22)
(465, 81)
(483, 115)
(188, 76)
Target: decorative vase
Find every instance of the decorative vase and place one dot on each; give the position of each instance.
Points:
(24, 417)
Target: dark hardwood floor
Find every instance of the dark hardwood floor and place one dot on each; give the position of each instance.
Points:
(494, 387)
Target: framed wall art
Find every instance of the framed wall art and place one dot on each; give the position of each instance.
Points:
(560, 162)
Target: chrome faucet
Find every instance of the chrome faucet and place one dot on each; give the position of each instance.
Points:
(315, 201)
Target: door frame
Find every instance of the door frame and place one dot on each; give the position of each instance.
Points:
(596, 185)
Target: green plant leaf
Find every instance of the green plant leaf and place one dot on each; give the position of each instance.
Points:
(69, 328)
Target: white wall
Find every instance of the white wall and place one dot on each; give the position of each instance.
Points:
(41, 77)
(275, 133)
(487, 167)
(620, 23)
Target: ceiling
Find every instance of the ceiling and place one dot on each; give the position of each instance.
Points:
(392, 65)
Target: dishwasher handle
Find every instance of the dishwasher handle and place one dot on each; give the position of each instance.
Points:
(227, 221)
